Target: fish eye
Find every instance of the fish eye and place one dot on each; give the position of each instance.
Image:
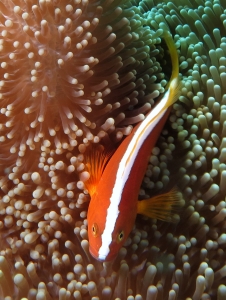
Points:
(120, 236)
(95, 229)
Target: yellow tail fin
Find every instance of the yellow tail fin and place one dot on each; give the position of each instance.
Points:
(174, 84)
(173, 54)
(161, 207)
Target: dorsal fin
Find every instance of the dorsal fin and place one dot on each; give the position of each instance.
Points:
(95, 161)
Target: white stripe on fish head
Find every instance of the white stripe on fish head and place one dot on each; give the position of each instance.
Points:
(123, 172)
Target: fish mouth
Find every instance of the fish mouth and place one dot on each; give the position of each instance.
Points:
(94, 253)
(99, 257)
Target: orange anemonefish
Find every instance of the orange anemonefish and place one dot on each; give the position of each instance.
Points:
(114, 185)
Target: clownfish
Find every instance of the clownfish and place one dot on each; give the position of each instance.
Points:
(115, 182)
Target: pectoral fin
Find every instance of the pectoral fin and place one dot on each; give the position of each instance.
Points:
(161, 207)
(95, 160)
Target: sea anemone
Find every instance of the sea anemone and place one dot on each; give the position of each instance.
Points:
(76, 73)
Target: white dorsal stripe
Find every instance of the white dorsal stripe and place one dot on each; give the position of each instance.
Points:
(124, 169)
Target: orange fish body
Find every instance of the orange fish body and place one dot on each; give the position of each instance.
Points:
(114, 201)
(100, 201)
